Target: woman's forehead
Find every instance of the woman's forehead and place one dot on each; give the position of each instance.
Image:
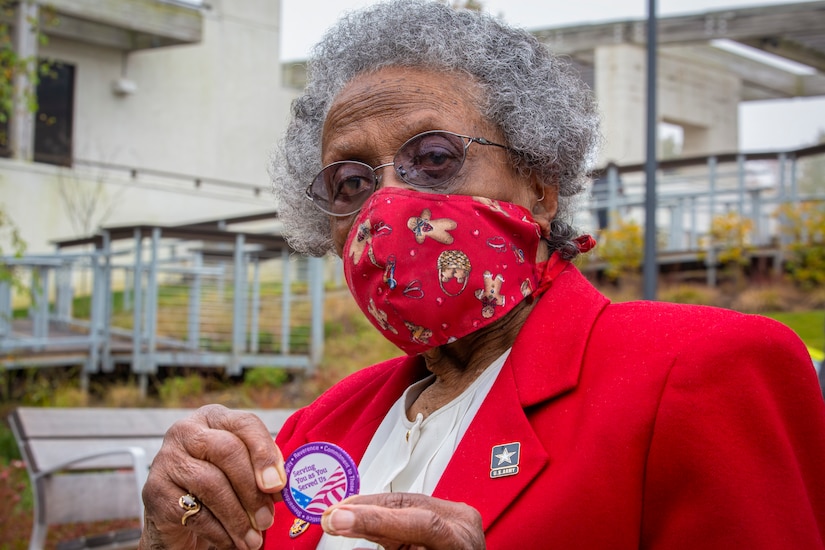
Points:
(400, 98)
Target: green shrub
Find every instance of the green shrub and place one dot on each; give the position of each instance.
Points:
(299, 337)
(260, 377)
(177, 391)
(8, 445)
(266, 342)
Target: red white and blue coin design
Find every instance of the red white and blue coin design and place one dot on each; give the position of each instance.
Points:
(318, 475)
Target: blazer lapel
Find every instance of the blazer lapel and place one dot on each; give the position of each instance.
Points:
(548, 354)
(545, 362)
(499, 421)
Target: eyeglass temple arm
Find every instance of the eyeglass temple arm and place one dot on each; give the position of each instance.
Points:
(484, 141)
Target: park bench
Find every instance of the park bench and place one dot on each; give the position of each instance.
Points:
(90, 464)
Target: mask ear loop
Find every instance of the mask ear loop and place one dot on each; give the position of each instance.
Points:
(543, 191)
(556, 264)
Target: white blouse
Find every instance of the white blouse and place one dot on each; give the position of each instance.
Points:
(410, 456)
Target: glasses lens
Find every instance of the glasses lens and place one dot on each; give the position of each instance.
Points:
(430, 159)
(342, 187)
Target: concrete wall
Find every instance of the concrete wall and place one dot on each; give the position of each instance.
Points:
(702, 99)
(207, 110)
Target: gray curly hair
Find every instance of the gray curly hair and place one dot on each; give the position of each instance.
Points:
(545, 112)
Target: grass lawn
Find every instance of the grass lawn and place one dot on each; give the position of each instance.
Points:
(809, 325)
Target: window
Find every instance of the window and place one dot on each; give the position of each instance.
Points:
(53, 121)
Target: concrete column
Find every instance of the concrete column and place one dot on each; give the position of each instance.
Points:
(619, 82)
(700, 98)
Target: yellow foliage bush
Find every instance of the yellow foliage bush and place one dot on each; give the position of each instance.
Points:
(730, 236)
(622, 248)
(802, 227)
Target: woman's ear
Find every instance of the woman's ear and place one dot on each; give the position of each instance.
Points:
(546, 205)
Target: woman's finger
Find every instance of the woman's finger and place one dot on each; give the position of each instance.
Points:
(267, 460)
(222, 458)
(401, 520)
(164, 525)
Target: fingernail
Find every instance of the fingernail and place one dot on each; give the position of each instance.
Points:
(341, 520)
(253, 539)
(263, 518)
(271, 478)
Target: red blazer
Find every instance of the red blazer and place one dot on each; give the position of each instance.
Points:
(641, 425)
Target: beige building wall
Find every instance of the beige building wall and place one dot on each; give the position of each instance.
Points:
(211, 110)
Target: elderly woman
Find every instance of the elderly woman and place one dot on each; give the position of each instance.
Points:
(436, 151)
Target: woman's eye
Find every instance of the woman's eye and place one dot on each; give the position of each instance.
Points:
(352, 185)
(432, 155)
(433, 158)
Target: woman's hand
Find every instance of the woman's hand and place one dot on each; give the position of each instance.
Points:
(407, 521)
(228, 461)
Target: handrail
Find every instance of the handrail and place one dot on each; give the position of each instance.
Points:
(134, 172)
(682, 162)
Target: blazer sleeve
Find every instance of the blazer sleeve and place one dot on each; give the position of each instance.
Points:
(737, 452)
(287, 431)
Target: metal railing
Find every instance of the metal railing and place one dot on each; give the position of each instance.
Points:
(162, 302)
(692, 192)
(195, 296)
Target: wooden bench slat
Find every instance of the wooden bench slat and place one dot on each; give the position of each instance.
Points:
(103, 423)
(116, 423)
(49, 453)
(126, 539)
(103, 487)
(62, 494)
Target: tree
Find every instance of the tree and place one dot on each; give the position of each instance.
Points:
(10, 241)
(12, 67)
(87, 204)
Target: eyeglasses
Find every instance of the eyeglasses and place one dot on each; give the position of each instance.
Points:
(427, 160)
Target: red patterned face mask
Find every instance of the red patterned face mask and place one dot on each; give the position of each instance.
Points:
(428, 269)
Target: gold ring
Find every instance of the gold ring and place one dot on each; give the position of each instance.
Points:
(189, 503)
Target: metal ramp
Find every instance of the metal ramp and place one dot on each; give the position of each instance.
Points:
(151, 297)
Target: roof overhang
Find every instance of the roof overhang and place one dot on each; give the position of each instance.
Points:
(126, 25)
(791, 32)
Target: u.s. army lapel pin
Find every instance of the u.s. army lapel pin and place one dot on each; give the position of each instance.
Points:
(504, 460)
(298, 527)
